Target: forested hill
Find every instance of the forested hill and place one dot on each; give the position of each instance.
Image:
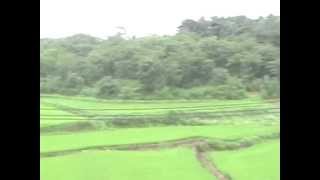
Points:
(222, 58)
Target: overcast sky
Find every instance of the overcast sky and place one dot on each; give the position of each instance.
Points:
(60, 18)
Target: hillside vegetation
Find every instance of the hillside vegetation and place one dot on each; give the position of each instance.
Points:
(220, 58)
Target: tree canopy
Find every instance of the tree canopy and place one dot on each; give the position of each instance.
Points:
(216, 58)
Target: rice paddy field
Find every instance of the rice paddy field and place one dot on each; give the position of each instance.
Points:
(145, 135)
(55, 112)
(158, 139)
(257, 162)
(110, 165)
(90, 106)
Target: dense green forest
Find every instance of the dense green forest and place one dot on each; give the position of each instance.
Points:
(220, 58)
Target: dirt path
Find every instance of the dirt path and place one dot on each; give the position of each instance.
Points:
(209, 165)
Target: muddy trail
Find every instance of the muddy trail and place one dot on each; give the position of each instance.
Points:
(206, 163)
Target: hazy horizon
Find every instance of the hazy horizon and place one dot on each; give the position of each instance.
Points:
(63, 18)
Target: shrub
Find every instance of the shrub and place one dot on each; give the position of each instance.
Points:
(129, 89)
(98, 123)
(233, 89)
(128, 93)
(107, 87)
(217, 144)
(73, 81)
(255, 85)
(203, 147)
(89, 91)
(50, 84)
(197, 92)
(219, 76)
(165, 93)
(173, 117)
(69, 91)
(270, 88)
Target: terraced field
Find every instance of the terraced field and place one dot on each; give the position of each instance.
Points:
(51, 111)
(123, 165)
(156, 107)
(261, 162)
(144, 135)
(85, 138)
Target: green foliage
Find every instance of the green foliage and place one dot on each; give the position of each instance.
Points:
(254, 85)
(265, 29)
(51, 84)
(232, 89)
(151, 75)
(89, 91)
(204, 53)
(173, 117)
(219, 76)
(73, 80)
(107, 87)
(270, 88)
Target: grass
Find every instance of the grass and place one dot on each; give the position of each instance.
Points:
(45, 114)
(117, 165)
(260, 162)
(154, 107)
(153, 134)
(146, 109)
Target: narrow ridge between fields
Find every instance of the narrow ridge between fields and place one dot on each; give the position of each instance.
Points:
(204, 142)
(202, 157)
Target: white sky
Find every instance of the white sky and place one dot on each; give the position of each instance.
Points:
(60, 18)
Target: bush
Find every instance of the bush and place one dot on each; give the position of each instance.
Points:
(173, 117)
(219, 76)
(98, 124)
(50, 84)
(89, 91)
(107, 87)
(166, 93)
(255, 85)
(128, 93)
(233, 89)
(73, 81)
(182, 93)
(270, 88)
(233, 145)
(203, 147)
(197, 93)
(69, 91)
(217, 144)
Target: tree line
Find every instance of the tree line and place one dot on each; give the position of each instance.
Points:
(222, 58)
